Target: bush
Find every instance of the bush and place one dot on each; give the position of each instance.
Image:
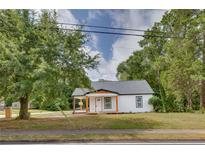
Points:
(8, 102)
(36, 105)
(174, 106)
(43, 103)
(51, 106)
(157, 103)
(196, 101)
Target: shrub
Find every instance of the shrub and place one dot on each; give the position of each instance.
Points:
(172, 105)
(40, 102)
(36, 105)
(196, 101)
(8, 102)
(157, 103)
(51, 106)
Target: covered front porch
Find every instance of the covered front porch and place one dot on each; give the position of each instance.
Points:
(79, 104)
(96, 102)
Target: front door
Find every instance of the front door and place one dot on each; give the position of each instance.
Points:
(98, 104)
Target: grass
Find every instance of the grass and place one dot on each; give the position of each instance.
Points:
(111, 121)
(103, 137)
(16, 111)
(37, 113)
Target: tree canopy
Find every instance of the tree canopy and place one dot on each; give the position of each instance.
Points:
(38, 60)
(174, 66)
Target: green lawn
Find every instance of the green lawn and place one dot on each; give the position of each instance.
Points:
(37, 113)
(16, 111)
(111, 121)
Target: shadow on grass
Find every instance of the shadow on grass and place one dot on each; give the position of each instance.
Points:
(139, 123)
(84, 122)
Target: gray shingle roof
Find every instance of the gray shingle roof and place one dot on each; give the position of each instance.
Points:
(124, 87)
(80, 91)
(120, 87)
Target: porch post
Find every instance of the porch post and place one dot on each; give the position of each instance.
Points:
(81, 104)
(86, 104)
(73, 105)
(117, 104)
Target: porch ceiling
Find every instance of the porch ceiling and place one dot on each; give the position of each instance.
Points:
(79, 97)
(101, 94)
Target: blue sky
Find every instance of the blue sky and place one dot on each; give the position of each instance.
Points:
(112, 49)
(97, 17)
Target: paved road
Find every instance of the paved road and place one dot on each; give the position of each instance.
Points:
(110, 141)
(99, 131)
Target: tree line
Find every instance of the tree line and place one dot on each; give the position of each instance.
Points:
(174, 67)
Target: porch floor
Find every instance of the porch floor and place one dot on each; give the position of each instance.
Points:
(80, 112)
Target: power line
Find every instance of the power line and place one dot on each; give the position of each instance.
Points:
(103, 27)
(112, 33)
(107, 27)
(117, 33)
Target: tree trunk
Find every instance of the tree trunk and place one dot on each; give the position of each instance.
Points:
(24, 114)
(189, 103)
(163, 98)
(162, 92)
(202, 97)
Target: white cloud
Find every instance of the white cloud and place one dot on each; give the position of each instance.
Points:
(123, 47)
(65, 16)
(94, 40)
(93, 14)
(103, 69)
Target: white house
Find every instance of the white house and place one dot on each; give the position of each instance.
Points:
(115, 97)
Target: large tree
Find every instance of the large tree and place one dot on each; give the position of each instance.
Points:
(38, 60)
(172, 64)
(180, 78)
(197, 35)
(143, 64)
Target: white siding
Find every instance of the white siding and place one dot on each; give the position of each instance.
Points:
(127, 103)
(92, 105)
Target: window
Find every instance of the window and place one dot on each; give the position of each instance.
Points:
(107, 103)
(139, 102)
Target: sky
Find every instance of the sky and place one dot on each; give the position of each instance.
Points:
(112, 49)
